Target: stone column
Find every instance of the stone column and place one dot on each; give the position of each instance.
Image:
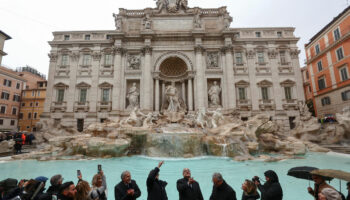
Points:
(294, 54)
(50, 84)
(278, 91)
(254, 89)
(163, 91)
(117, 74)
(229, 75)
(93, 92)
(157, 95)
(189, 95)
(183, 91)
(70, 95)
(200, 79)
(147, 80)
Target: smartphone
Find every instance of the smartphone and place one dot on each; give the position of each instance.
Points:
(99, 168)
(78, 173)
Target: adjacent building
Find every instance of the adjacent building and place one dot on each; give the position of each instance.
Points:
(326, 76)
(190, 53)
(32, 105)
(3, 38)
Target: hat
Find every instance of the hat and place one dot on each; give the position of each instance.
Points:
(56, 179)
(331, 194)
(65, 186)
(41, 179)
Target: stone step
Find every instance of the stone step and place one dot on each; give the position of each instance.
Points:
(338, 148)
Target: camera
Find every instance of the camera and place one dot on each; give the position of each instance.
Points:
(256, 178)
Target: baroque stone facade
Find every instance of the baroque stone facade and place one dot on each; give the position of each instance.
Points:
(173, 57)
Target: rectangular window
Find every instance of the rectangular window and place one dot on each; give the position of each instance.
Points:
(33, 93)
(265, 93)
(7, 83)
(87, 37)
(24, 93)
(239, 60)
(288, 93)
(336, 33)
(5, 95)
(66, 37)
(23, 104)
(283, 57)
(65, 60)
(83, 93)
(31, 104)
(38, 94)
(36, 104)
(319, 66)
(340, 54)
(108, 59)
(60, 95)
(321, 83)
(345, 95)
(108, 37)
(20, 116)
(344, 73)
(18, 85)
(279, 34)
(261, 59)
(86, 60)
(241, 92)
(35, 115)
(317, 49)
(3, 109)
(14, 111)
(29, 115)
(326, 101)
(258, 34)
(12, 122)
(1, 122)
(105, 95)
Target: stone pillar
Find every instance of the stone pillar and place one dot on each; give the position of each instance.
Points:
(200, 79)
(93, 92)
(157, 95)
(229, 75)
(278, 91)
(70, 95)
(147, 80)
(189, 95)
(50, 84)
(117, 74)
(183, 91)
(163, 91)
(254, 89)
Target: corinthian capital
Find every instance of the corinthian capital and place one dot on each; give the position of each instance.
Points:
(119, 50)
(147, 50)
(96, 56)
(227, 49)
(199, 49)
(53, 57)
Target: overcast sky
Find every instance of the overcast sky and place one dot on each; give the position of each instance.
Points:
(30, 23)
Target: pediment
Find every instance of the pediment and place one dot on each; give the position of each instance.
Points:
(83, 85)
(287, 82)
(61, 85)
(86, 50)
(264, 83)
(105, 85)
(242, 83)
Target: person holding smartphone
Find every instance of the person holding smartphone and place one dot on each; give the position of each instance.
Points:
(99, 185)
(188, 188)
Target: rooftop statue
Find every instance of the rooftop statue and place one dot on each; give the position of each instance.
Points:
(172, 5)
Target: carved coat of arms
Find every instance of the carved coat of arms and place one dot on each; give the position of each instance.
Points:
(172, 6)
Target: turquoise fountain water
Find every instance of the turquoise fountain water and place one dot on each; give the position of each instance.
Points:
(202, 168)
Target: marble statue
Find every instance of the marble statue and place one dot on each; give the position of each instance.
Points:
(134, 62)
(197, 20)
(182, 3)
(201, 118)
(133, 119)
(171, 94)
(212, 60)
(214, 95)
(227, 21)
(147, 121)
(304, 111)
(161, 4)
(147, 22)
(216, 117)
(118, 22)
(133, 97)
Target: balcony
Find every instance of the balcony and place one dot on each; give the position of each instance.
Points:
(290, 104)
(285, 70)
(81, 106)
(244, 104)
(106, 72)
(240, 70)
(104, 106)
(58, 106)
(267, 104)
(263, 70)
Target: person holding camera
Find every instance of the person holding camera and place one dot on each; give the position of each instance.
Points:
(155, 187)
(188, 188)
(272, 189)
(249, 191)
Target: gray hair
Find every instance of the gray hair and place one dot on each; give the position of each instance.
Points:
(186, 169)
(218, 176)
(124, 174)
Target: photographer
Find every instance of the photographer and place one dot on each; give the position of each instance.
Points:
(272, 189)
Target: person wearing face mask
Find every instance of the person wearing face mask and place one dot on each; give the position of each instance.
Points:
(272, 189)
(126, 189)
(188, 188)
(155, 187)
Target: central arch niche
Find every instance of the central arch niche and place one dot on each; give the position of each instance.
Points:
(173, 67)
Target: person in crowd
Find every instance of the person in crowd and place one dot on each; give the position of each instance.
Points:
(320, 184)
(99, 186)
(188, 188)
(10, 189)
(83, 191)
(18, 147)
(29, 188)
(155, 187)
(23, 136)
(329, 194)
(272, 189)
(56, 182)
(67, 191)
(126, 189)
(348, 188)
(249, 191)
(221, 190)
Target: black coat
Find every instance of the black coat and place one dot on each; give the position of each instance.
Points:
(250, 196)
(120, 191)
(223, 192)
(187, 192)
(272, 189)
(155, 187)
